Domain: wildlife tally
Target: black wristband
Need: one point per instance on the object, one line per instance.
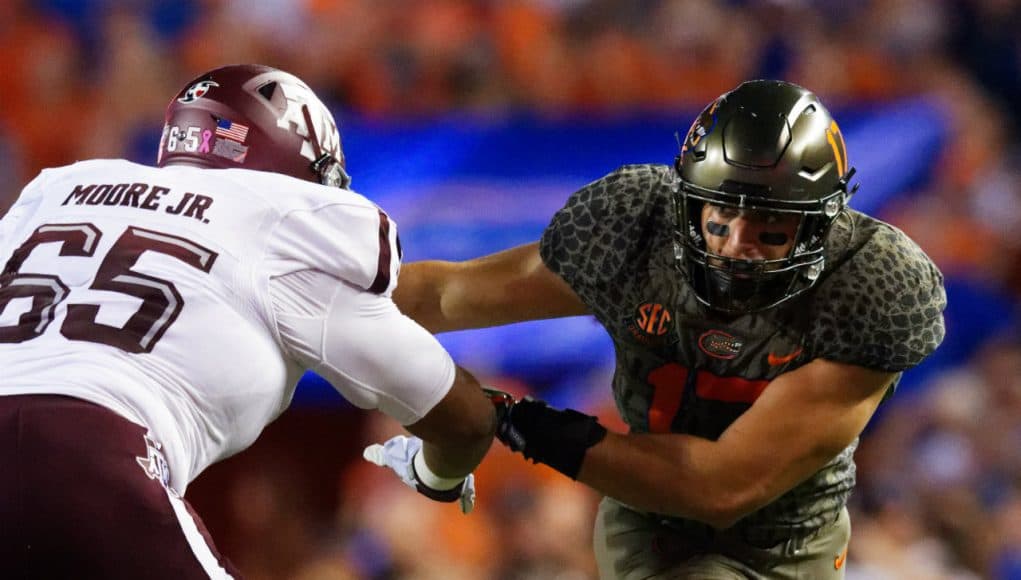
(558, 438)
(445, 495)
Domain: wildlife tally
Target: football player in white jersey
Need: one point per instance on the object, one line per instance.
(153, 320)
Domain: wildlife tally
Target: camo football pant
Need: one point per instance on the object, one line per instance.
(630, 545)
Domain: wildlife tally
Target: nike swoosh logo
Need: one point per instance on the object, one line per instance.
(838, 562)
(776, 360)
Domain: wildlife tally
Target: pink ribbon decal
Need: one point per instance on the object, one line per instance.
(204, 147)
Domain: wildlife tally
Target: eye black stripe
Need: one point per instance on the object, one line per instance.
(721, 230)
(773, 238)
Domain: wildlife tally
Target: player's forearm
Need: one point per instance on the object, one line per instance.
(419, 293)
(444, 296)
(456, 461)
(676, 475)
(458, 431)
(503, 288)
(673, 474)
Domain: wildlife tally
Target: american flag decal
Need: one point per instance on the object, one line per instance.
(235, 131)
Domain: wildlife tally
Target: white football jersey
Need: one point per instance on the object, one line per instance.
(191, 300)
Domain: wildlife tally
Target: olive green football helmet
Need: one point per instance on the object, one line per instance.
(765, 146)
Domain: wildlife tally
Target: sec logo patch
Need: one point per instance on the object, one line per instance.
(651, 323)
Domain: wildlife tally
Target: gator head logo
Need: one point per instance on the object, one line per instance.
(197, 91)
(651, 324)
(719, 344)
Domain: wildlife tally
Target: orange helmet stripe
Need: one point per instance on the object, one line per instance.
(839, 150)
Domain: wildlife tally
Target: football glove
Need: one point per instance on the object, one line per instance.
(555, 437)
(399, 455)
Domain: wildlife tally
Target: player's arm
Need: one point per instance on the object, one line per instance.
(800, 422)
(509, 286)
(380, 359)
(457, 432)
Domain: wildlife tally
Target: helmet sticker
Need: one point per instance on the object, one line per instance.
(230, 149)
(197, 91)
(703, 125)
(235, 131)
(189, 139)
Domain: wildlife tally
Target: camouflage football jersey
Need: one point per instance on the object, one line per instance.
(878, 304)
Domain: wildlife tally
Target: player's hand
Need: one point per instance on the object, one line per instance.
(399, 455)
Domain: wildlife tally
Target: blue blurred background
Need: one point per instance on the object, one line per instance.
(471, 122)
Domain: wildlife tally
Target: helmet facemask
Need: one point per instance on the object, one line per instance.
(739, 285)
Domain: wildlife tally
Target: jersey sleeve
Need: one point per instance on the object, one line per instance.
(882, 308)
(355, 242)
(600, 234)
(30, 197)
(374, 355)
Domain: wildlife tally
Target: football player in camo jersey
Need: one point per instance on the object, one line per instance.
(758, 323)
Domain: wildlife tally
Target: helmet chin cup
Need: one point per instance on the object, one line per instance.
(331, 172)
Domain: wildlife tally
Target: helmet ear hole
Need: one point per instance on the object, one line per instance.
(268, 89)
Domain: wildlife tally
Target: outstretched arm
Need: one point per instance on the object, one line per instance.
(458, 431)
(509, 286)
(800, 422)
(378, 358)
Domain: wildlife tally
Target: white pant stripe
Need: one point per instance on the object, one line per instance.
(198, 544)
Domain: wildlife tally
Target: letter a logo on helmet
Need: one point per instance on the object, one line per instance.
(197, 91)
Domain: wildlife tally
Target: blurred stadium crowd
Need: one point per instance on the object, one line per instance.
(939, 493)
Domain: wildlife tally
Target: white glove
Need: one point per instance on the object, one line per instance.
(399, 454)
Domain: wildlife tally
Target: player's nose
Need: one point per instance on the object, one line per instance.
(743, 241)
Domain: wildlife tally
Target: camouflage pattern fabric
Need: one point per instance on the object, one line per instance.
(682, 369)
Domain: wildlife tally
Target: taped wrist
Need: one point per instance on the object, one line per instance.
(433, 486)
(558, 438)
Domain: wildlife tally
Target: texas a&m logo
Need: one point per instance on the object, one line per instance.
(305, 111)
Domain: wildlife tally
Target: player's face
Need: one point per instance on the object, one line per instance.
(748, 234)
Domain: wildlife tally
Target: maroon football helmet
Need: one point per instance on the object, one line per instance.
(254, 117)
